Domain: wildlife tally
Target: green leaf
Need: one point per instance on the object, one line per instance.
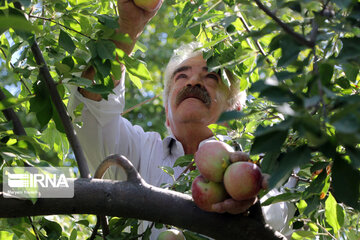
(17, 23)
(230, 115)
(66, 42)
(99, 89)
(346, 183)
(270, 139)
(326, 72)
(300, 235)
(102, 67)
(12, 102)
(284, 197)
(53, 229)
(73, 234)
(184, 161)
(354, 154)
(105, 49)
(334, 213)
(92, 47)
(290, 50)
(277, 94)
(317, 185)
(134, 66)
(351, 71)
(79, 81)
(349, 124)
(293, 158)
(108, 21)
(135, 80)
(41, 103)
(116, 70)
(168, 170)
(350, 50)
(342, 3)
(312, 204)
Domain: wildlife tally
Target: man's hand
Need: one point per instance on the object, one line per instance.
(233, 206)
(132, 21)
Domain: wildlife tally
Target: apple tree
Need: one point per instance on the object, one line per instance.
(298, 61)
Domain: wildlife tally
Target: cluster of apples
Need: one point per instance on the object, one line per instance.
(219, 177)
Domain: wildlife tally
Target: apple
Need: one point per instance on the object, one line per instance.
(171, 234)
(148, 5)
(242, 180)
(205, 193)
(212, 158)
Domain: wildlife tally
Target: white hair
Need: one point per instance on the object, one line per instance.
(235, 98)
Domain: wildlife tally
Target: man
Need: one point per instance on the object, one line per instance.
(193, 99)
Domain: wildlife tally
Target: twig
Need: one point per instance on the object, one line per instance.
(59, 105)
(138, 105)
(301, 39)
(33, 227)
(68, 28)
(95, 229)
(242, 19)
(325, 230)
(298, 178)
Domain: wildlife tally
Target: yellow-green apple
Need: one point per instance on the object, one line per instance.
(242, 180)
(205, 193)
(212, 158)
(148, 5)
(171, 234)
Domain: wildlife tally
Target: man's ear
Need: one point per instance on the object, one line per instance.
(166, 115)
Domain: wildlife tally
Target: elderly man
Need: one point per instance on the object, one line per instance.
(193, 99)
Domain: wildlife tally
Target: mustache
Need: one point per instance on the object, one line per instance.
(198, 92)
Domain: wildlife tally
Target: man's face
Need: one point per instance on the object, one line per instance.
(196, 95)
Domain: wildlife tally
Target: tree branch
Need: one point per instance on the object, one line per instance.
(68, 28)
(10, 115)
(301, 39)
(135, 198)
(141, 201)
(59, 105)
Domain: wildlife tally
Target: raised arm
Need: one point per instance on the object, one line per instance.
(132, 21)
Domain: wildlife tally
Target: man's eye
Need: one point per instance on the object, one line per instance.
(182, 75)
(213, 76)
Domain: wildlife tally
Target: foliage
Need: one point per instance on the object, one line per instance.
(297, 60)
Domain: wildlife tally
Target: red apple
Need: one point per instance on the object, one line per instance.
(205, 193)
(212, 158)
(171, 234)
(148, 5)
(242, 180)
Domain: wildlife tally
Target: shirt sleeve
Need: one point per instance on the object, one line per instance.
(103, 131)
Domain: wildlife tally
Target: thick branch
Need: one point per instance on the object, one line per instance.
(301, 39)
(141, 201)
(59, 105)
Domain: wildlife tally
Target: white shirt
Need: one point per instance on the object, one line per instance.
(105, 132)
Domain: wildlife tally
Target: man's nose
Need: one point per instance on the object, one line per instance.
(195, 80)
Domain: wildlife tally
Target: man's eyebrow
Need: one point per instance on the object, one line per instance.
(180, 69)
(184, 68)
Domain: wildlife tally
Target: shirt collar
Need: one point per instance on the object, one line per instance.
(171, 146)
